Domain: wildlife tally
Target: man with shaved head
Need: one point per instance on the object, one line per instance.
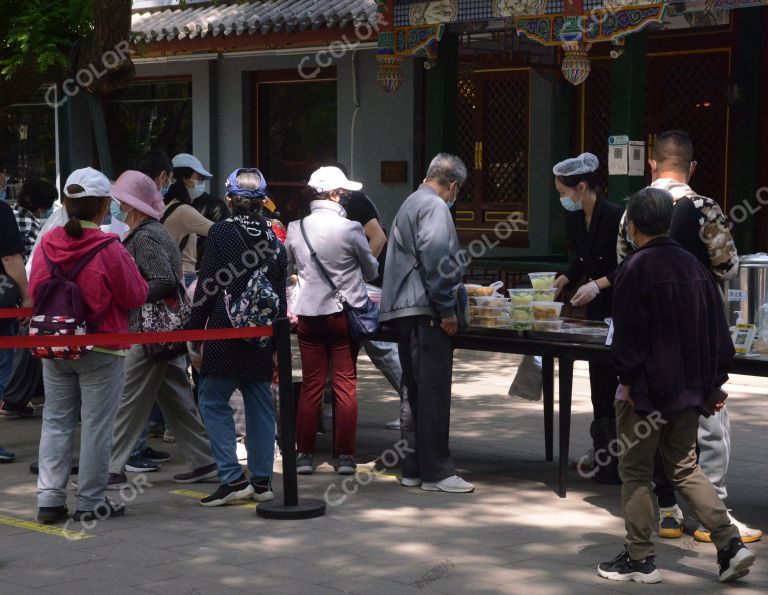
(699, 226)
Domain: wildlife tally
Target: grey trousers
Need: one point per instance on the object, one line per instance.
(675, 440)
(386, 358)
(426, 355)
(168, 384)
(715, 449)
(90, 386)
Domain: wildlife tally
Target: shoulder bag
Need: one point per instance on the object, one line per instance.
(363, 321)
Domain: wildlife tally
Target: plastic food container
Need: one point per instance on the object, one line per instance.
(544, 295)
(521, 313)
(522, 297)
(481, 290)
(490, 322)
(522, 325)
(489, 302)
(489, 312)
(551, 326)
(542, 280)
(547, 310)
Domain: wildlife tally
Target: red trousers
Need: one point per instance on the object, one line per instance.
(323, 339)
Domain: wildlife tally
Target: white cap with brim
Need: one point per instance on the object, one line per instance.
(192, 162)
(92, 181)
(326, 179)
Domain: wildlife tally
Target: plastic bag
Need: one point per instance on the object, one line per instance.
(529, 381)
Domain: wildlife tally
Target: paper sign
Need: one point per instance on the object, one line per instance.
(743, 336)
(636, 158)
(736, 295)
(609, 339)
(618, 153)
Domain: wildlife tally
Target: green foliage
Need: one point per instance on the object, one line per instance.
(41, 31)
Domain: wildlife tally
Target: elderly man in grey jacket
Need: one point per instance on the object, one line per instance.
(419, 300)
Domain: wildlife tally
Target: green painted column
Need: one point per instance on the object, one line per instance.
(743, 205)
(628, 108)
(441, 99)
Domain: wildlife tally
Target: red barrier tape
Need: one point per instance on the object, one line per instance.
(98, 340)
(15, 312)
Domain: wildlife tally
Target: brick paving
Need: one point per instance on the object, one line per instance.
(513, 535)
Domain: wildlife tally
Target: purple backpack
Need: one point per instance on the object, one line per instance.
(59, 308)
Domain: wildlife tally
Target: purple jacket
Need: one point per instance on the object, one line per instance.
(671, 339)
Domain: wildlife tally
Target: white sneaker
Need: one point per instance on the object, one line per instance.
(393, 425)
(242, 451)
(453, 484)
(169, 437)
(410, 482)
(747, 534)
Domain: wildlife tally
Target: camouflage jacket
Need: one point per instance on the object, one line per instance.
(714, 231)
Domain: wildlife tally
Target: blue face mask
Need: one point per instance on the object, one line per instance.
(570, 205)
(196, 191)
(3, 194)
(117, 212)
(164, 190)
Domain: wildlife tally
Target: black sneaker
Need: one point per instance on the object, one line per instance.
(226, 492)
(734, 561)
(155, 456)
(262, 489)
(106, 510)
(623, 568)
(48, 515)
(140, 465)
(12, 410)
(204, 473)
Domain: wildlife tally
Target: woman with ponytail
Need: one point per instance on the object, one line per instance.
(89, 387)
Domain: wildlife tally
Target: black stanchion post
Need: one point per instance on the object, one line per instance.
(291, 508)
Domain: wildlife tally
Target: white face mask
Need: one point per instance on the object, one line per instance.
(197, 190)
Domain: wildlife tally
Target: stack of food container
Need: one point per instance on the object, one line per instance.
(487, 307)
(534, 308)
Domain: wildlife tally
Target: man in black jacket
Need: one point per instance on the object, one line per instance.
(672, 352)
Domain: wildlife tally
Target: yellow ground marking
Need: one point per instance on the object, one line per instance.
(47, 529)
(250, 504)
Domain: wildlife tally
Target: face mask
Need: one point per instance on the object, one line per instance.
(570, 205)
(631, 241)
(164, 190)
(47, 214)
(197, 190)
(344, 200)
(3, 194)
(452, 201)
(117, 212)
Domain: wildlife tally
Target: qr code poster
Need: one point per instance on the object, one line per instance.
(636, 158)
(618, 155)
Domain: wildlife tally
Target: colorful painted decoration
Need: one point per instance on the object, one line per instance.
(576, 65)
(389, 77)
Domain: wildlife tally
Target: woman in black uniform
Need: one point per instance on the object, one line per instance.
(592, 225)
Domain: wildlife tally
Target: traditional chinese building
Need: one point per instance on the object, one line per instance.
(511, 86)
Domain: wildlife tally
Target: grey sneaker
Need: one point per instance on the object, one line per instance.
(304, 464)
(453, 484)
(410, 482)
(393, 425)
(347, 465)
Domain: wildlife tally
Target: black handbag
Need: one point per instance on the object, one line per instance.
(363, 320)
(9, 292)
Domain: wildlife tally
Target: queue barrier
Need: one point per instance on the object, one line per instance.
(291, 507)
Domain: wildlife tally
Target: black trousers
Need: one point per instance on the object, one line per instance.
(27, 378)
(426, 356)
(603, 384)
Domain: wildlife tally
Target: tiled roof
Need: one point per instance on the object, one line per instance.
(250, 18)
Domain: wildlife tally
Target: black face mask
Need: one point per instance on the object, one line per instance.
(344, 200)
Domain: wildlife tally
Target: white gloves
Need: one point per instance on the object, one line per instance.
(586, 294)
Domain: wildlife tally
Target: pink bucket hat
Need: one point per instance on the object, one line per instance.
(139, 191)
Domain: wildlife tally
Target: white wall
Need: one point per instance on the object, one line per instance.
(383, 131)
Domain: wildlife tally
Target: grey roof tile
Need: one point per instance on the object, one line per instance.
(250, 18)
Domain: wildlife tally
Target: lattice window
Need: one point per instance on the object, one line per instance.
(597, 115)
(505, 145)
(690, 94)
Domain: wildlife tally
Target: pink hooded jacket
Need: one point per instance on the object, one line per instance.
(111, 283)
